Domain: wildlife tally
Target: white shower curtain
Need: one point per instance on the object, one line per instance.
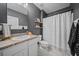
(69, 20)
(56, 30)
(63, 32)
(66, 21)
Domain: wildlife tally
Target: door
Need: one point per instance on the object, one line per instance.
(0, 53)
(23, 52)
(33, 49)
(16, 49)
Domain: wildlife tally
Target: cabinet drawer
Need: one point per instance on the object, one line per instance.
(23, 52)
(34, 40)
(33, 49)
(14, 49)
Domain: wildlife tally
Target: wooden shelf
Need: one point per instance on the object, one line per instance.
(38, 22)
(38, 27)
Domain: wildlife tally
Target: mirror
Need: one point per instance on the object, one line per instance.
(16, 16)
(13, 22)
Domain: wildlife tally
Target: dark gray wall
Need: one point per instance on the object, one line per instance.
(75, 7)
(33, 13)
(23, 20)
(44, 14)
(3, 13)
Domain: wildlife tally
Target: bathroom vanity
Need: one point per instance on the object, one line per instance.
(24, 45)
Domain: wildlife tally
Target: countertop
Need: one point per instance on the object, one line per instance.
(16, 40)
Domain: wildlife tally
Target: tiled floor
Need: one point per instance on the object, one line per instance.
(51, 52)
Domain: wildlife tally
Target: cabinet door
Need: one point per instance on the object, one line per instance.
(33, 49)
(0, 53)
(19, 53)
(10, 51)
(23, 52)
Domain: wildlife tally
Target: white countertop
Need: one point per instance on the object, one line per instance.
(16, 40)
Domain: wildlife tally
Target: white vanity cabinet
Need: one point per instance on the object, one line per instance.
(33, 47)
(23, 52)
(33, 50)
(15, 49)
(0, 53)
(26, 48)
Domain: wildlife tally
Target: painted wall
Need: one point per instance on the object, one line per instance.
(3, 13)
(33, 14)
(23, 20)
(75, 7)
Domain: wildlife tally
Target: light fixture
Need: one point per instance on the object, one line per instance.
(23, 4)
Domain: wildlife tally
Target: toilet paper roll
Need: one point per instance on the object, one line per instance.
(43, 44)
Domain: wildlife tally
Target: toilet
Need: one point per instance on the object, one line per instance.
(43, 47)
(46, 49)
(43, 44)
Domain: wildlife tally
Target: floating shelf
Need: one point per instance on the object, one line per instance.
(38, 27)
(38, 24)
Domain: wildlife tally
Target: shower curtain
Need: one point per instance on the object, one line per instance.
(56, 30)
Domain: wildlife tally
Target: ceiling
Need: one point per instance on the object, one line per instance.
(51, 7)
(18, 7)
(47, 7)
